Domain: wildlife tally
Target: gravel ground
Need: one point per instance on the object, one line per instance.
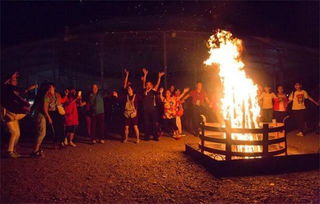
(148, 172)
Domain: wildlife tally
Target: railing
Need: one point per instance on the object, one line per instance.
(277, 136)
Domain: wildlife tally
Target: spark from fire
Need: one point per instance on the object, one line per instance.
(239, 103)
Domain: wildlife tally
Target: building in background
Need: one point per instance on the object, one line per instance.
(100, 51)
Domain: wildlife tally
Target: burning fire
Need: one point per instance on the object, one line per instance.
(239, 104)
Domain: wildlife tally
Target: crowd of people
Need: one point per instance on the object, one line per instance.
(150, 111)
(279, 105)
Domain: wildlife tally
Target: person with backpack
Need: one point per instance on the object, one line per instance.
(130, 111)
(297, 98)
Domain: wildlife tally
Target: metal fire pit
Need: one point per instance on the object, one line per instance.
(216, 151)
(217, 141)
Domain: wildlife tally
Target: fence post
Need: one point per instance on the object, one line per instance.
(265, 140)
(202, 124)
(228, 139)
(285, 124)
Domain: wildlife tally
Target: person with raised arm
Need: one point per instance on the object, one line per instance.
(297, 98)
(72, 117)
(126, 78)
(170, 105)
(150, 104)
(198, 99)
(13, 108)
(129, 101)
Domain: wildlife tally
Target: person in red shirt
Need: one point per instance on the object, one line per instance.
(280, 104)
(199, 99)
(71, 116)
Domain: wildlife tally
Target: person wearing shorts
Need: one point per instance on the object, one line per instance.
(130, 110)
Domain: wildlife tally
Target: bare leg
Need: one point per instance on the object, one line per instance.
(136, 130)
(14, 131)
(71, 136)
(179, 125)
(41, 131)
(126, 133)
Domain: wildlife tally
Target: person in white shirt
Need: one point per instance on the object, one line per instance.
(297, 98)
(266, 98)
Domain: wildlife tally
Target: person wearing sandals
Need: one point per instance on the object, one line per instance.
(43, 103)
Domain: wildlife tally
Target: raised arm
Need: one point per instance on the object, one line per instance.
(161, 94)
(81, 102)
(30, 88)
(64, 99)
(144, 77)
(160, 75)
(184, 93)
(125, 82)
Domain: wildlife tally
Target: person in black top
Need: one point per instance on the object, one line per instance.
(150, 104)
(13, 108)
(129, 102)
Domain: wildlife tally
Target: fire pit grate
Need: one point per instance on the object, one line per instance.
(216, 152)
(218, 142)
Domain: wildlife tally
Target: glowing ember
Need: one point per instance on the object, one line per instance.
(239, 103)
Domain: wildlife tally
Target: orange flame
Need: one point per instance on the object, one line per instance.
(239, 103)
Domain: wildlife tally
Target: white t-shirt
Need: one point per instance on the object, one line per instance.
(298, 98)
(267, 100)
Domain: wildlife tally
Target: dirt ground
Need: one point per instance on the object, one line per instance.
(149, 172)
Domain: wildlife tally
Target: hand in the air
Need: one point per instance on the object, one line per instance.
(161, 74)
(185, 90)
(145, 71)
(115, 94)
(66, 92)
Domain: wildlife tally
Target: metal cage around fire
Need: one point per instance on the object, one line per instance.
(220, 142)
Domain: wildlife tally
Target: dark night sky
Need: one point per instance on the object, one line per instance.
(290, 21)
